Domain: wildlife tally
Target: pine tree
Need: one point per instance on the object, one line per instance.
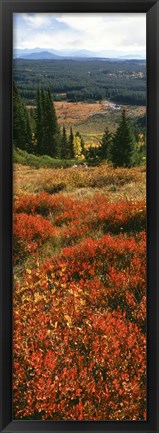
(47, 131)
(64, 144)
(51, 130)
(22, 134)
(70, 144)
(32, 116)
(92, 153)
(39, 124)
(104, 150)
(29, 144)
(123, 144)
(16, 116)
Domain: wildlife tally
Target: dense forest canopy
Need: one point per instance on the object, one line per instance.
(79, 80)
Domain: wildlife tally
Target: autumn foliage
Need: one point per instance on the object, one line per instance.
(79, 314)
(29, 233)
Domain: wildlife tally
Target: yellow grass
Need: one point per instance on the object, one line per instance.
(120, 183)
(72, 113)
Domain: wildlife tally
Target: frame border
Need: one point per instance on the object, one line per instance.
(151, 7)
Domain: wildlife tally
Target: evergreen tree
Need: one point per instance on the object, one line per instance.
(92, 154)
(70, 144)
(22, 134)
(29, 144)
(123, 144)
(83, 146)
(16, 116)
(51, 129)
(39, 124)
(64, 144)
(47, 131)
(32, 116)
(104, 150)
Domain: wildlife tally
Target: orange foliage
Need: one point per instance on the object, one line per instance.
(80, 317)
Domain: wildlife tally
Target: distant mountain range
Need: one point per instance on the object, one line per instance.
(41, 55)
(51, 54)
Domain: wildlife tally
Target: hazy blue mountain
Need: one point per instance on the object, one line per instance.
(84, 53)
(18, 52)
(50, 53)
(41, 55)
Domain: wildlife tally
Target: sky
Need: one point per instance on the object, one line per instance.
(124, 33)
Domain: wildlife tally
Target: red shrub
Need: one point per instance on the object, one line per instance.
(113, 217)
(72, 361)
(79, 319)
(29, 232)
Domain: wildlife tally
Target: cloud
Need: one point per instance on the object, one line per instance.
(36, 21)
(93, 31)
(42, 30)
(106, 31)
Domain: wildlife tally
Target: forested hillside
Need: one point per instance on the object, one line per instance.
(80, 80)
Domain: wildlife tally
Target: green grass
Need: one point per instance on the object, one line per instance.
(93, 127)
(25, 158)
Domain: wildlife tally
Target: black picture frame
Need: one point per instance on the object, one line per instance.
(151, 7)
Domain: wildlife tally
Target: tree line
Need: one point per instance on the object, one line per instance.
(38, 132)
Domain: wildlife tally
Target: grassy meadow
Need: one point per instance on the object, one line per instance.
(90, 118)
